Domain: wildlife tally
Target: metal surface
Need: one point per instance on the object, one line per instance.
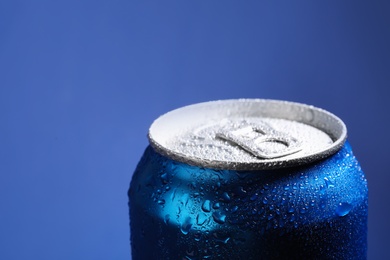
(247, 134)
(260, 139)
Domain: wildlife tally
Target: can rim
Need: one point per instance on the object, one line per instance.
(334, 127)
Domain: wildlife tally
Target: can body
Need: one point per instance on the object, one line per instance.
(312, 211)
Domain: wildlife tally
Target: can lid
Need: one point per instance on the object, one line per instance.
(247, 134)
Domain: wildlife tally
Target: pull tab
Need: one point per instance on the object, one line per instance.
(259, 139)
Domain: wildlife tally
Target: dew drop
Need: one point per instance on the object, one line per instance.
(166, 219)
(189, 255)
(164, 178)
(173, 195)
(206, 207)
(219, 217)
(343, 209)
(201, 218)
(222, 238)
(254, 197)
(234, 209)
(241, 192)
(186, 226)
(216, 205)
(197, 236)
(225, 197)
(322, 189)
(328, 183)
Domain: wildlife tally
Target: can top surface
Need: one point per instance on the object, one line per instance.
(247, 134)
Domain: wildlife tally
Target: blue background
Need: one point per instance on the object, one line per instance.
(81, 81)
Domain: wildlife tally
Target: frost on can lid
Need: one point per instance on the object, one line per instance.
(247, 134)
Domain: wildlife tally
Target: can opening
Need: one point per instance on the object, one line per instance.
(247, 134)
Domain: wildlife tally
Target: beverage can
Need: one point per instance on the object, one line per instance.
(248, 179)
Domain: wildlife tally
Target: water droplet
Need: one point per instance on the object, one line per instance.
(164, 178)
(240, 191)
(328, 183)
(186, 226)
(161, 201)
(216, 205)
(167, 218)
(291, 209)
(322, 189)
(265, 200)
(234, 209)
(173, 195)
(189, 255)
(343, 209)
(201, 218)
(206, 207)
(225, 197)
(254, 197)
(221, 238)
(197, 236)
(219, 217)
(185, 198)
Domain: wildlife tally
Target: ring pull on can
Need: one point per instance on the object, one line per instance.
(260, 139)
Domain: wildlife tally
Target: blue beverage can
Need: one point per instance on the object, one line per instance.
(248, 179)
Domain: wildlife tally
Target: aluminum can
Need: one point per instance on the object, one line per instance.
(248, 179)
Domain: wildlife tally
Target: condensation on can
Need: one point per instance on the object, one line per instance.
(267, 194)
